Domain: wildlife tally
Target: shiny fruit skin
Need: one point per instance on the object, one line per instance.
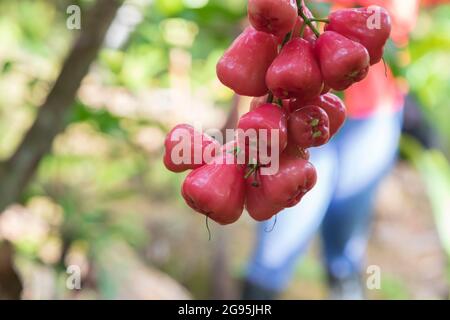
(257, 205)
(244, 65)
(295, 72)
(343, 62)
(197, 143)
(335, 109)
(217, 190)
(265, 117)
(293, 150)
(293, 180)
(354, 24)
(332, 105)
(309, 127)
(259, 101)
(277, 17)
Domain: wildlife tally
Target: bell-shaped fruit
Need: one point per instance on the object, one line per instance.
(257, 204)
(342, 61)
(217, 190)
(369, 26)
(186, 148)
(335, 109)
(260, 126)
(272, 16)
(294, 179)
(331, 104)
(309, 127)
(295, 72)
(244, 65)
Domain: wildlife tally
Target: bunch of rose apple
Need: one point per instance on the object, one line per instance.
(290, 68)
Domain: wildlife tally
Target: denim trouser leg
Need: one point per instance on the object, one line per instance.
(344, 233)
(277, 251)
(349, 170)
(367, 151)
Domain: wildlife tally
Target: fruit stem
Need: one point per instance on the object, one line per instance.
(280, 103)
(385, 68)
(324, 20)
(251, 171)
(302, 30)
(273, 226)
(236, 151)
(286, 39)
(207, 227)
(270, 97)
(306, 19)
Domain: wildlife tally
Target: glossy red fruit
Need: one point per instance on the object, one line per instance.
(343, 62)
(369, 26)
(335, 109)
(293, 150)
(186, 148)
(294, 179)
(244, 65)
(259, 101)
(272, 16)
(217, 190)
(267, 117)
(257, 204)
(295, 72)
(331, 104)
(309, 127)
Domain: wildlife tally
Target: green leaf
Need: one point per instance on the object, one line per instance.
(7, 67)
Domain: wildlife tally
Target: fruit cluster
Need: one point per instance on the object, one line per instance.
(290, 68)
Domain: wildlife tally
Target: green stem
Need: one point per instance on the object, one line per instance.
(324, 20)
(251, 171)
(302, 30)
(270, 97)
(280, 102)
(286, 39)
(306, 19)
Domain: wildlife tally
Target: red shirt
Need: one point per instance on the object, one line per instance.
(380, 91)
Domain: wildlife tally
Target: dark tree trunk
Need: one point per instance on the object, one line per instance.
(10, 284)
(16, 173)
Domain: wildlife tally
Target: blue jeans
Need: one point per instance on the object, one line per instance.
(350, 169)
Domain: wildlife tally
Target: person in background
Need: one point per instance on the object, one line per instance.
(350, 169)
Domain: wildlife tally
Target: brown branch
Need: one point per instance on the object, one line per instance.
(10, 282)
(16, 173)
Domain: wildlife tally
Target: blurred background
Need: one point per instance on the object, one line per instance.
(87, 186)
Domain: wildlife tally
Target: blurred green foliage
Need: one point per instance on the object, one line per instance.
(428, 74)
